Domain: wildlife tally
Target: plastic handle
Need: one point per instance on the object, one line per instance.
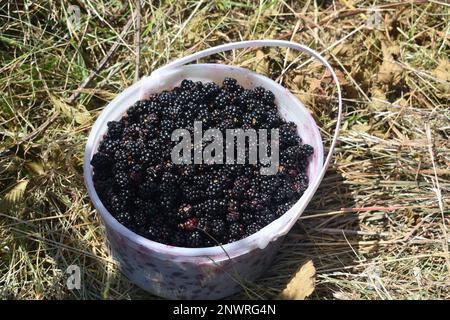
(273, 43)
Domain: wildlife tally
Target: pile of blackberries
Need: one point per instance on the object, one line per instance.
(196, 205)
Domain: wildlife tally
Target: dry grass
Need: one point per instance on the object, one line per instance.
(378, 228)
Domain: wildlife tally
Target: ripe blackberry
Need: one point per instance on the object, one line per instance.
(252, 228)
(306, 150)
(268, 97)
(102, 186)
(214, 189)
(218, 228)
(166, 98)
(185, 211)
(212, 206)
(192, 195)
(265, 217)
(122, 180)
(115, 129)
(211, 90)
(147, 189)
(109, 146)
(230, 84)
(247, 217)
(101, 160)
(272, 120)
(282, 209)
(135, 111)
(285, 193)
(194, 239)
(158, 233)
(288, 134)
(222, 100)
(240, 187)
(187, 84)
(236, 230)
(300, 183)
(125, 218)
(259, 92)
(117, 204)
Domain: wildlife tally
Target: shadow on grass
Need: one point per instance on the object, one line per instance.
(323, 234)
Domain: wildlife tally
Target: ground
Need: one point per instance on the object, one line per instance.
(377, 228)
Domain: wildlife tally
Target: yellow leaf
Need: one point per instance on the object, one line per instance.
(82, 116)
(16, 193)
(36, 167)
(302, 284)
(389, 72)
(361, 127)
(442, 73)
(65, 109)
(262, 67)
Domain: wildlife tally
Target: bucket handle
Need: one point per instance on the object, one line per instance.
(273, 43)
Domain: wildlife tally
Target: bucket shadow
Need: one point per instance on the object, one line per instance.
(324, 234)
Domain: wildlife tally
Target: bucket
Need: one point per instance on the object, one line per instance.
(213, 272)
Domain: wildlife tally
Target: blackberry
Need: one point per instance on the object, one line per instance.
(282, 209)
(124, 218)
(218, 228)
(247, 217)
(122, 180)
(268, 97)
(265, 217)
(194, 239)
(222, 100)
(178, 238)
(115, 129)
(147, 189)
(288, 134)
(109, 146)
(236, 230)
(192, 195)
(214, 189)
(135, 111)
(252, 228)
(166, 98)
(306, 150)
(159, 233)
(272, 120)
(259, 92)
(117, 204)
(230, 84)
(187, 84)
(284, 193)
(300, 183)
(101, 160)
(211, 90)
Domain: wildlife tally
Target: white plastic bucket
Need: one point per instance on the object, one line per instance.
(214, 272)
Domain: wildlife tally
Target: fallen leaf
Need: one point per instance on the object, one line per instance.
(16, 193)
(442, 73)
(302, 284)
(262, 66)
(36, 166)
(361, 127)
(389, 72)
(81, 115)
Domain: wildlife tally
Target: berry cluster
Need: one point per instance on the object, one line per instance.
(197, 205)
